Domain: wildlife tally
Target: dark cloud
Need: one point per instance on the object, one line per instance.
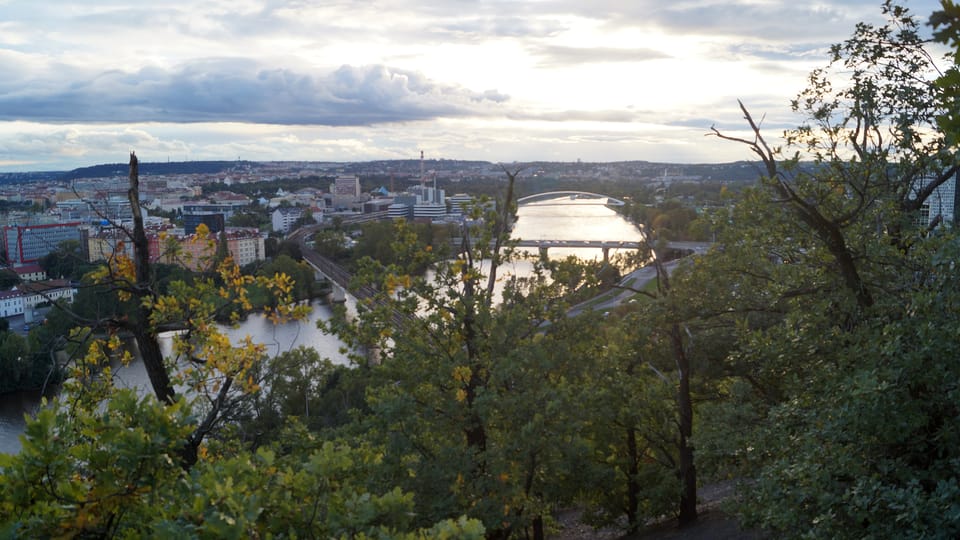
(555, 56)
(227, 90)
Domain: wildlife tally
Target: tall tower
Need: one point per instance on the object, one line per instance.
(423, 177)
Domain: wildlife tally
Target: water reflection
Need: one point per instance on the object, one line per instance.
(575, 219)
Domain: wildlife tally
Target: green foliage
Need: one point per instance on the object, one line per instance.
(66, 262)
(946, 23)
(299, 384)
(300, 272)
(332, 244)
(480, 413)
(112, 472)
(91, 472)
(873, 451)
(626, 418)
(8, 278)
(670, 220)
(841, 410)
(379, 239)
(15, 363)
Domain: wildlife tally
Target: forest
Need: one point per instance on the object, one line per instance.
(811, 356)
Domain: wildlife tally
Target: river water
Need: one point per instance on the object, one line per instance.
(558, 219)
(277, 339)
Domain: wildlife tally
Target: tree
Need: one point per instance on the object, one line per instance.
(331, 244)
(836, 288)
(109, 472)
(15, 362)
(204, 361)
(100, 461)
(885, 117)
(477, 400)
(67, 261)
(627, 418)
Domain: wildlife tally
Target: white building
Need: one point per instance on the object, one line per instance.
(458, 203)
(940, 204)
(30, 272)
(24, 299)
(40, 292)
(284, 217)
(11, 303)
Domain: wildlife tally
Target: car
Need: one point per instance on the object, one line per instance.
(26, 327)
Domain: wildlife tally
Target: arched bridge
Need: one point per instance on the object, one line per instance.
(565, 197)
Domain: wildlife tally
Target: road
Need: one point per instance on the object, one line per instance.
(624, 291)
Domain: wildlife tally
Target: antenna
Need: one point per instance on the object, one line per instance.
(423, 177)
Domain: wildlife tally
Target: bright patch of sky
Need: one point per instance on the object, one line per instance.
(498, 80)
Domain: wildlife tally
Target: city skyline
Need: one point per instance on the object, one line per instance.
(261, 80)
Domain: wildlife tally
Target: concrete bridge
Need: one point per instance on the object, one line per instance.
(606, 245)
(324, 268)
(339, 279)
(567, 197)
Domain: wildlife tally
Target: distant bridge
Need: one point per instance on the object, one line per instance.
(606, 245)
(564, 198)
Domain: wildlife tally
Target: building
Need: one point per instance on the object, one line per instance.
(25, 244)
(346, 186)
(39, 293)
(30, 272)
(422, 203)
(245, 246)
(115, 208)
(226, 207)
(458, 203)
(940, 205)
(24, 299)
(214, 222)
(107, 243)
(284, 217)
(402, 207)
(11, 303)
(198, 252)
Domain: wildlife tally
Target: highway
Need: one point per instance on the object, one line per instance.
(633, 281)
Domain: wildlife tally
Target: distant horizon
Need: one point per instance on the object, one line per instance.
(143, 162)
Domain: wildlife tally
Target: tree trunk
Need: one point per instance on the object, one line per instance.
(688, 472)
(538, 533)
(145, 336)
(633, 488)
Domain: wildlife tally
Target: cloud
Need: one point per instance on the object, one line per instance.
(776, 21)
(571, 115)
(236, 90)
(556, 56)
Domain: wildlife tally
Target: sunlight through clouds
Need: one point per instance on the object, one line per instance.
(522, 80)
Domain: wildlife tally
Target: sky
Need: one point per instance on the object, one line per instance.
(86, 82)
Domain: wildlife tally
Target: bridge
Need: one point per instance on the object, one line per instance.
(565, 197)
(606, 245)
(324, 268)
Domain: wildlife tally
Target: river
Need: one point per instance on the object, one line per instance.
(277, 338)
(574, 219)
